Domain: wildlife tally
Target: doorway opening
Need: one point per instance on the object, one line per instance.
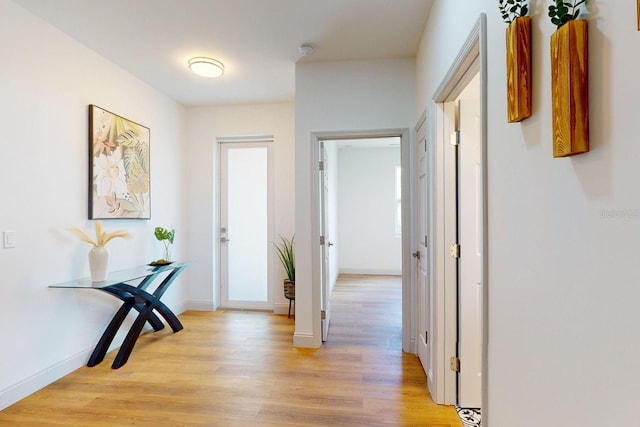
(361, 214)
(321, 285)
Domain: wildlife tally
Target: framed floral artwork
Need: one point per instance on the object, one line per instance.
(119, 161)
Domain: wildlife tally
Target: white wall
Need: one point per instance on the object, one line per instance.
(564, 234)
(339, 96)
(47, 81)
(204, 125)
(367, 211)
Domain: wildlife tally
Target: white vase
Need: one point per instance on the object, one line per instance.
(98, 263)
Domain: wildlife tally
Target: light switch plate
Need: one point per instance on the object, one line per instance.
(9, 239)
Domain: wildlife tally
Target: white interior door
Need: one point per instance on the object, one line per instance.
(423, 293)
(245, 225)
(325, 279)
(470, 223)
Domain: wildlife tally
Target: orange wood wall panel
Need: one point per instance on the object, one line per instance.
(570, 89)
(519, 69)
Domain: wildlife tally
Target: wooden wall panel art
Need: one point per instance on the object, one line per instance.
(519, 69)
(570, 89)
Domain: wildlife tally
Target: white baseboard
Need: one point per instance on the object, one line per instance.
(283, 308)
(35, 382)
(372, 271)
(304, 340)
(199, 306)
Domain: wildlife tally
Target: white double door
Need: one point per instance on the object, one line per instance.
(245, 246)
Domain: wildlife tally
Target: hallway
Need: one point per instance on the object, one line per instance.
(235, 368)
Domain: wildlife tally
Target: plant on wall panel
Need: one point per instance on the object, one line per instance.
(512, 9)
(562, 12)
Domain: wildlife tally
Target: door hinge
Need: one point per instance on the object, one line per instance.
(321, 240)
(454, 250)
(323, 315)
(454, 137)
(426, 241)
(454, 364)
(321, 165)
(426, 337)
(425, 145)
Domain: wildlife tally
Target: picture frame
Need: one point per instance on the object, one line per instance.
(119, 167)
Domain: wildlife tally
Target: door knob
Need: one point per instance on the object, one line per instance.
(330, 244)
(224, 240)
(416, 254)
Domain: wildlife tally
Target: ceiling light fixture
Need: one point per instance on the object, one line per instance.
(206, 67)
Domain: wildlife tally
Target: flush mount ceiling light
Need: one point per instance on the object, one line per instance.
(306, 50)
(206, 67)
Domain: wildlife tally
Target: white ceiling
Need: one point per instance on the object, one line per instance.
(257, 40)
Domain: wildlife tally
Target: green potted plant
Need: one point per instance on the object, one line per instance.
(512, 9)
(166, 237)
(562, 12)
(285, 251)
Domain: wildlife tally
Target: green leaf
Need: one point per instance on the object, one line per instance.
(143, 156)
(128, 139)
(128, 206)
(164, 234)
(286, 254)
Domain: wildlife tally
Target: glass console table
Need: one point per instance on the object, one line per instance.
(134, 297)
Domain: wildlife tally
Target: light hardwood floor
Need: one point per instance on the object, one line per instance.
(233, 368)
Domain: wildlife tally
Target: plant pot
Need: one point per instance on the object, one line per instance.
(98, 263)
(519, 69)
(289, 289)
(289, 292)
(570, 89)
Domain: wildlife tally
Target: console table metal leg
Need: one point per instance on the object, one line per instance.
(107, 336)
(130, 340)
(168, 315)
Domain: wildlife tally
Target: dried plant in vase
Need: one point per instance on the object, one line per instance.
(99, 255)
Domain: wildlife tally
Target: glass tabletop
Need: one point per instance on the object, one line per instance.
(120, 276)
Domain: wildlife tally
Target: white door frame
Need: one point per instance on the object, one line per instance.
(267, 140)
(471, 59)
(408, 321)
